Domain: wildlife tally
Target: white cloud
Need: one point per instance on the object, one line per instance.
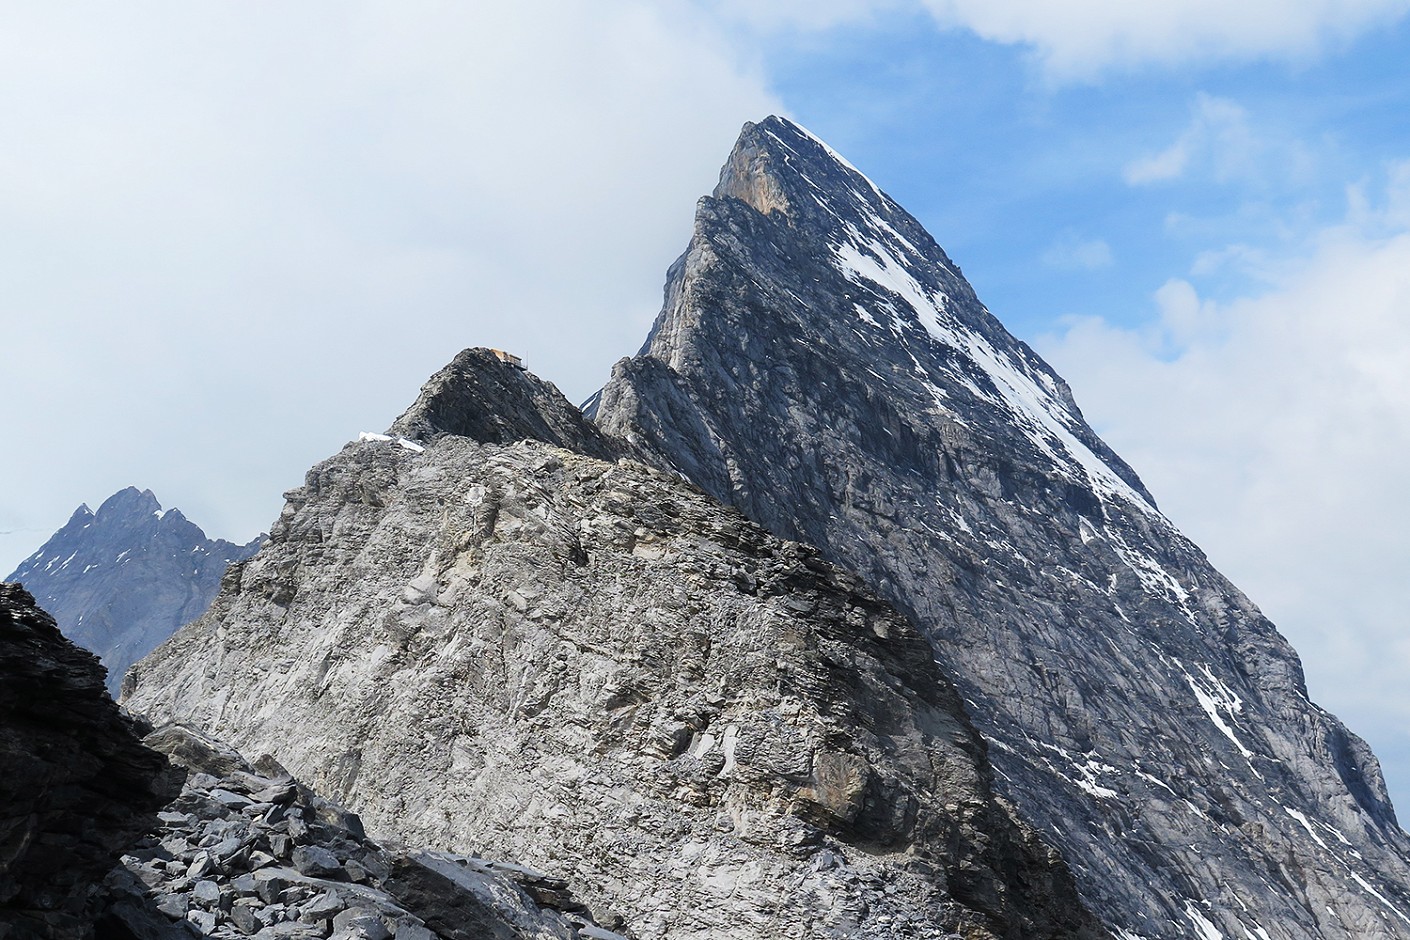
(1218, 134)
(1081, 39)
(1071, 252)
(234, 235)
(1274, 430)
(784, 15)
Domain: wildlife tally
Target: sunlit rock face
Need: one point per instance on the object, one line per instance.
(484, 637)
(821, 364)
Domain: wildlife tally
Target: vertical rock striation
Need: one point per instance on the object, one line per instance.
(823, 365)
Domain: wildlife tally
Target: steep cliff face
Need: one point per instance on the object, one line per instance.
(123, 579)
(822, 364)
(77, 786)
(509, 648)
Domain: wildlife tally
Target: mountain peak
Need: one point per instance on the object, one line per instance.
(487, 395)
(779, 166)
(818, 254)
(822, 365)
(130, 501)
(752, 172)
(123, 579)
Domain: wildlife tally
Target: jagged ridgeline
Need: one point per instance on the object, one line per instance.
(121, 580)
(494, 630)
(821, 364)
(483, 636)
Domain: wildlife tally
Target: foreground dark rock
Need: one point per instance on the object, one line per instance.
(123, 579)
(822, 364)
(525, 652)
(248, 851)
(76, 785)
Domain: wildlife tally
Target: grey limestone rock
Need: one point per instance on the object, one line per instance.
(821, 364)
(675, 724)
(406, 893)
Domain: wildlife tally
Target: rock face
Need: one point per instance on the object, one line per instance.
(123, 579)
(77, 786)
(249, 851)
(821, 364)
(521, 651)
(481, 396)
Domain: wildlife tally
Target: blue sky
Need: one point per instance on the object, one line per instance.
(1151, 228)
(235, 235)
(1034, 182)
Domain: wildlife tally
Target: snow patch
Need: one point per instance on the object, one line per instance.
(1155, 579)
(1030, 397)
(1155, 780)
(1204, 927)
(366, 437)
(1302, 819)
(1378, 896)
(1217, 696)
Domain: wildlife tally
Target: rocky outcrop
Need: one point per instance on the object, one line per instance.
(490, 399)
(823, 365)
(248, 851)
(123, 579)
(518, 651)
(77, 786)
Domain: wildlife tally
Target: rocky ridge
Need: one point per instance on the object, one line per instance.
(248, 851)
(78, 787)
(513, 649)
(121, 580)
(820, 363)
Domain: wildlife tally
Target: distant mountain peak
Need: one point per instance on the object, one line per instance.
(124, 578)
(130, 501)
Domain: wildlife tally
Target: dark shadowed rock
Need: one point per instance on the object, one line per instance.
(76, 785)
(488, 399)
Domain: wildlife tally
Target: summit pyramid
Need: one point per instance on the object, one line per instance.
(822, 364)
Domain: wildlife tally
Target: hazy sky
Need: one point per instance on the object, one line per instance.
(233, 235)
